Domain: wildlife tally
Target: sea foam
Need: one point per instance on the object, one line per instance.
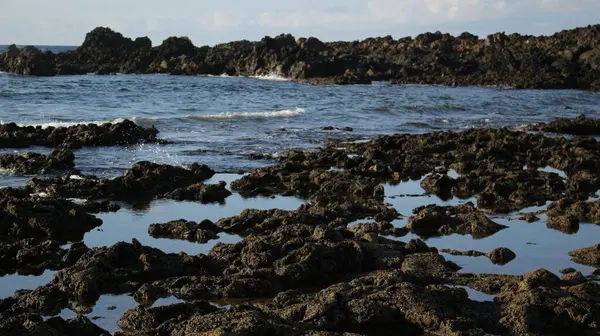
(249, 115)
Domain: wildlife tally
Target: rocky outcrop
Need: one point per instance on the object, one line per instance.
(498, 256)
(58, 160)
(185, 230)
(144, 181)
(464, 219)
(568, 59)
(587, 256)
(24, 216)
(83, 135)
(577, 126)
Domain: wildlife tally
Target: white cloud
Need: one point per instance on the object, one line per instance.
(67, 21)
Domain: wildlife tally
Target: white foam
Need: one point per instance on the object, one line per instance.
(79, 201)
(272, 76)
(249, 115)
(70, 123)
(76, 177)
(41, 194)
(445, 121)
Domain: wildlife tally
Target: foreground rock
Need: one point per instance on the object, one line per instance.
(589, 256)
(144, 181)
(125, 132)
(34, 256)
(58, 160)
(568, 59)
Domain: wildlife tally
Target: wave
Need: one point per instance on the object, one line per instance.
(249, 115)
(272, 76)
(150, 120)
(71, 123)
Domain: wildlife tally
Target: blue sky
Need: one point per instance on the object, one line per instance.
(65, 22)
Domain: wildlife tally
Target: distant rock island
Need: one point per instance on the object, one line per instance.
(566, 60)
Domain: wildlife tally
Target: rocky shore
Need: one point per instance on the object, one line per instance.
(330, 267)
(568, 59)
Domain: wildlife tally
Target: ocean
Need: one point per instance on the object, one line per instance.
(221, 121)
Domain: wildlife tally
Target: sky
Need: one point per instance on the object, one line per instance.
(65, 22)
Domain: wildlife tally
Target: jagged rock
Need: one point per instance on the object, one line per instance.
(58, 160)
(587, 256)
(108, 134)
(184, 230)
(501, 256)
(463, 219)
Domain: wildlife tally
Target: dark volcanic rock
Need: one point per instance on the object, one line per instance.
(463, 219)
(184, 230)
(144, 181)
(108, 134)
(123, 268)
(538, 305)
(577, 126)
(59, 160)
(501, 256)
(566, 214)
(33, 256)
(568, 59)
(587, 256)
(22, 216)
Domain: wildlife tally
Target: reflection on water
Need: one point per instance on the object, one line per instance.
(11, 283)
(128, 223)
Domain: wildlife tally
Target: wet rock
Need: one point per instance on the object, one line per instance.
(144, 181)
(33, 256)
(123, 268)
(566, 214)
(501, 256)
(148, 320)
(463, 219)
(529, 217)
(59, 160)
(576, 126)
(98, 207)
(147, 295)
(426, 267)
(204, 193)
(83, 135)
(32, 324)
(27, 217)
(470, 253)
(589, 256)
(185, 230)
(574, 278)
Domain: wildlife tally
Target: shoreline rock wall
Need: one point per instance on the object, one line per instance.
(568, 59)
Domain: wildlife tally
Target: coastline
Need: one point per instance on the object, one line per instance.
(566, 60)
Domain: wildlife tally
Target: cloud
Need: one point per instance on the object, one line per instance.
(67, 21)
